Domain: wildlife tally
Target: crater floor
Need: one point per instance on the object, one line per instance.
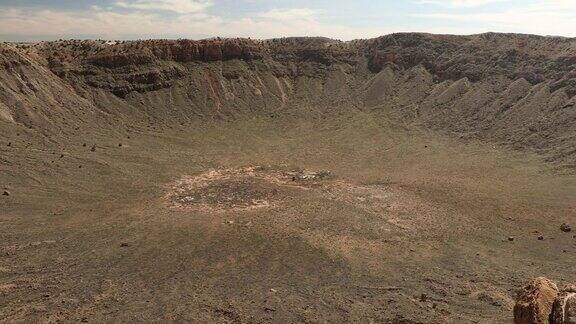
(347, 218)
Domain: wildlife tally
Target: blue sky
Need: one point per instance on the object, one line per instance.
(342, 19)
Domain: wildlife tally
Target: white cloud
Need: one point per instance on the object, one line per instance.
(291, 14)
(110, 24)
(148, 19)
(542, 17)
(459, 3)
(179, 6)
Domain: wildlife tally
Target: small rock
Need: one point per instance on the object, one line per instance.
(423, 297)
(511, 238)
(5, 193)
(124, 244)
(93, 148)
(61, 156)
(120, 145)
(84, 145)
(570, 288)
(9, 144)
(541, 238)
(566, 228)
(273, 290)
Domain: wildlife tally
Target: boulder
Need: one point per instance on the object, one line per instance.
(534, 303)
(564, 307)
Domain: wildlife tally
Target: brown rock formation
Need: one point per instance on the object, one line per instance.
(564, 308)
(534, 303)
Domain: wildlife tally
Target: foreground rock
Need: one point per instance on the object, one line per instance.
(535, 302)
(564, 308)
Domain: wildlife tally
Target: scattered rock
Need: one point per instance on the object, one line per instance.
(311, 176)
(566, 228)
(423, 297)
(564, 307)
(570, 288)
(534, 303)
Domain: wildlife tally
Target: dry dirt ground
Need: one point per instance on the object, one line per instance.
(345, 219)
